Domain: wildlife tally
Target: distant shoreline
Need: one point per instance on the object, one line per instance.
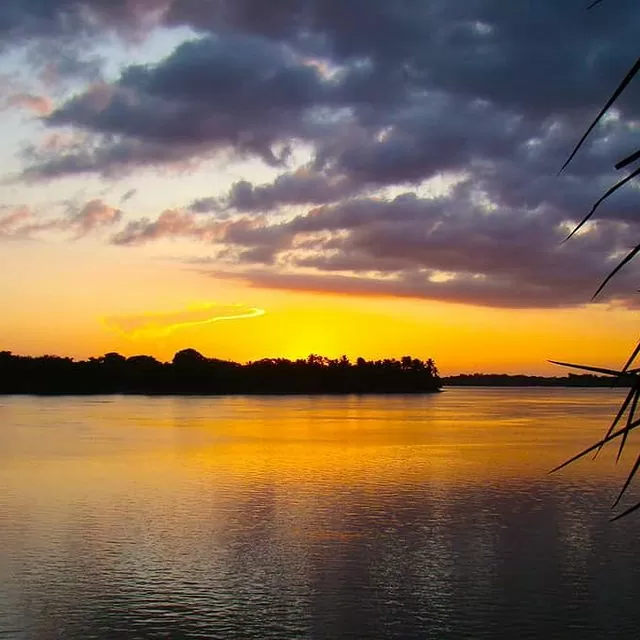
(192, 374)
(518, 380)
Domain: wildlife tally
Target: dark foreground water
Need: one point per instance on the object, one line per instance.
(298, 517)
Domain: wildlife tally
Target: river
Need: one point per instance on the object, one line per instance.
(314, 517)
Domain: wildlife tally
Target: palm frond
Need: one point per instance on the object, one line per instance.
(626, 513)
(632, 357)
(632, 410)
(608, 193)
(614, 96)
(628, 160)
(632, 399)
(630, 256)
(627, 482)
(616, 434)
(584, 367)
(619, 415)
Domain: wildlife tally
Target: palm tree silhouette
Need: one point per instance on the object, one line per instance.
(628, 411)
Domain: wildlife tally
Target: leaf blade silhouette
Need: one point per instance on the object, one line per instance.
(584, 367)
(619, 415)
(627, 482)
(630, 256)
(614, 96)
(609, 192)
(632, 410)
(628, 160)
(584, 452)
(626, 513)
(632, 357)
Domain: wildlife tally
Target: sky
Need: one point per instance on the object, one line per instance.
(273, 179)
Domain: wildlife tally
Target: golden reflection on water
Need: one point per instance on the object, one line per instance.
(459, 436)
(210, 453)
(268, 517)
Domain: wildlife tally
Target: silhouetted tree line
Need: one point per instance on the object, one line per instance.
(192, 373)
(506, 380)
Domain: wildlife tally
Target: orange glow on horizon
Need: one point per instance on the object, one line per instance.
(60, 311)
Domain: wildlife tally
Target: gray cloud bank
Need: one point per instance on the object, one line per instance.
(387, 95)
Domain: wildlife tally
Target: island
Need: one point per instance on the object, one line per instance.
(190, 372)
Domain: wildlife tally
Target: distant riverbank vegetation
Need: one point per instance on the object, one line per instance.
(192, 373)
(519, 380)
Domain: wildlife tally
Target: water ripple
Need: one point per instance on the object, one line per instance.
(402, 517)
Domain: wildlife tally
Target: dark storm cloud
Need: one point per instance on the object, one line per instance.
(113, 158)
(464, 289)
(404, 68)
(430, 136)
(475, 248)
(415, 89)
(527, 55)
(240, 240)
(523, 55)
(229, 92)
(23, 20)
(451, 248)
(430, 235)
(384, 94)
(302, 187)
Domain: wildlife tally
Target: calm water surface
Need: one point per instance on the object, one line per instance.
(321, 517)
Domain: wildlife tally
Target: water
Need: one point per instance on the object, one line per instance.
(325, 517)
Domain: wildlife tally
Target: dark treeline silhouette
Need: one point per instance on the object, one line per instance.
(192, 373)
(518, 380)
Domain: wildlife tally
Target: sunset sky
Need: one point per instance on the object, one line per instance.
(264, 178)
